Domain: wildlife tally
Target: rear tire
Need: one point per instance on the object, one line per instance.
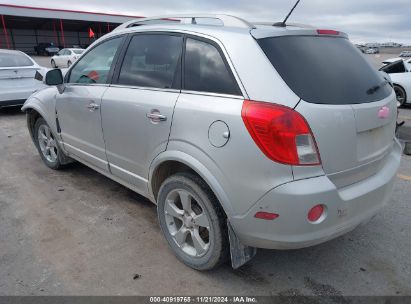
(47, 145)
(193, 222)
(53, 64)
(400, 94)
(69, 63)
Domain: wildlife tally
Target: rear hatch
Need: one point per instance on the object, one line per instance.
(16, 70)
(13, 77)
(350, 107)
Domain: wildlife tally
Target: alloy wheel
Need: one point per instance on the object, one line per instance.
(187, 222)
(47, 143)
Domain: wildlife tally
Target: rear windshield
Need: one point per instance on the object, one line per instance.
(14, 60)
(325, 70)
(78, 52)
(394, 67)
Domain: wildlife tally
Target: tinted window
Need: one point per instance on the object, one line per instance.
(326, 70)
(206, 71)
(95, 66)
(14, 60)
(395, 67)
(151, 61)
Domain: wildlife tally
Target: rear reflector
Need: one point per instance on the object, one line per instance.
(266, 216)
(315, 213)
(327, 32)
(281, 133)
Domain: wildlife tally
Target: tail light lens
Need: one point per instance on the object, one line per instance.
(266, 216)
(315, 213)
(281, 133)
(328, 32)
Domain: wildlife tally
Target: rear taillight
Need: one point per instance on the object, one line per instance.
(327, 32)
(281, 133)
(316, 213)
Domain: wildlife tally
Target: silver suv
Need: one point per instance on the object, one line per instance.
(245, 136)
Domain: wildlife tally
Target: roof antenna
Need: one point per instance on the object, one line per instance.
(282, 24)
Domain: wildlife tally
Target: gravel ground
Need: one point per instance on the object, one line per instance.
(75, 232)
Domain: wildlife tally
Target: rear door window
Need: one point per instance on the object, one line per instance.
(325, 70)
(205, 69)
(152, 60)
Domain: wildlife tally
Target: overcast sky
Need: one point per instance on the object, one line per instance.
(363, 20)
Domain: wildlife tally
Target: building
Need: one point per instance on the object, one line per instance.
(23, 27)
(383, 45)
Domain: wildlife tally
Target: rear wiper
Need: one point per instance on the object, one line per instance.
(374, 89)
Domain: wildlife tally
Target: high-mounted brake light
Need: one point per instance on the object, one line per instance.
(281, 133)
(327, 32)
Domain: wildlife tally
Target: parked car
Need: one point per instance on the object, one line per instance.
(400, 74)
(244, 135)
(405, 54)
(65, 57)
(17, 77)
(391, 60)
(46, 49)
(372, 51)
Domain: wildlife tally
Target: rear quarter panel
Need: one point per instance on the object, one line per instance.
(241, 170)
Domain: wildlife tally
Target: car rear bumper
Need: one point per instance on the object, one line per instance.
(8, 95)
(10, 103)
(346, 208)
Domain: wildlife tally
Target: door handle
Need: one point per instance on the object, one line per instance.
(155, 116)
(93, 106)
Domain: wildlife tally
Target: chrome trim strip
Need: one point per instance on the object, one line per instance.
(85, 153)
(143, 88)
(69, 84)
(129, 173)
(115, 178)
(212, 94)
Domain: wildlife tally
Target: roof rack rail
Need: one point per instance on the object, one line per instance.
(288, 24)
(227, 20)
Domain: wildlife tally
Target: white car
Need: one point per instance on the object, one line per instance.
(391, 60)
(400, 74)
(405, 54)
(17, 77)
(65, 57)
(372, 51)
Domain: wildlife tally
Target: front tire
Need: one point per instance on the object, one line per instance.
(400, 94)
(193, 222)
(69, 63)
(47, 145)
(53, 64)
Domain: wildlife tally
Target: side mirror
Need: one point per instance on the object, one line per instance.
(54, 77)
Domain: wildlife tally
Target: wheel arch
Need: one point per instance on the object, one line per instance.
(32, 115)
(172, 162)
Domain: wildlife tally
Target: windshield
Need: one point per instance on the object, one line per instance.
(325, 70)
(14, 60)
